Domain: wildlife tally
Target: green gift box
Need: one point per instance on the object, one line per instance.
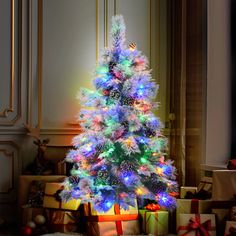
(154, 222)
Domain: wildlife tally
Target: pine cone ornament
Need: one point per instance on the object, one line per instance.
(125, 124)
(99, 148)
(111, 65)
(149, 133)
(115, 94)
(129, 101)
(73, 180)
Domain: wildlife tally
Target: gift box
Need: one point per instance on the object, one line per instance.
(222, 215)
(52, 198)
(185, 191)
(62, 221)
(197, 224)
(222, 210)
(29, 213)
(114, 222)
(224, 185)
(154, 222)
(192, 206)
(25, 183)
(230, 228)
(205, 184)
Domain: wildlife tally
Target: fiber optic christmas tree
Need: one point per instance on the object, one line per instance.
(120, 155)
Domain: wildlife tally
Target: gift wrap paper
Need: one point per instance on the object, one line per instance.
(224, 185)
(106, 223)
(230, 226)
(154, 223)
(192, 206)
(50, 201)
(184, 190)
(62, 221)
(184, 229)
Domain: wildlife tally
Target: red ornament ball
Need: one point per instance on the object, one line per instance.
(26, 231)
(106, 92)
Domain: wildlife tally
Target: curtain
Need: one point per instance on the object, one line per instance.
(188, 88)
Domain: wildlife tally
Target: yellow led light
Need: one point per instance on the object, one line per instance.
(139, 191)
(129, 142)
(159, 171)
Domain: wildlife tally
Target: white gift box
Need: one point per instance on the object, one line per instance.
(224, 185)
(189, 224)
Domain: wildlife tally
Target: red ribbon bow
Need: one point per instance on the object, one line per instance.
(152, 207)
(195, 224)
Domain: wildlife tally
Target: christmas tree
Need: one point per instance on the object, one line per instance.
(120, 155)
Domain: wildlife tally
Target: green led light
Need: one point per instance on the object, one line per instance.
(143, 160)
(126, 63)
(102, 70)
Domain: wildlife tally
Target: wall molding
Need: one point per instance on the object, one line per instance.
(13, 155)
(44, 130)
(11, 109)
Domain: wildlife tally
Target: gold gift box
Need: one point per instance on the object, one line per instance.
(50, 200)
(110, 223)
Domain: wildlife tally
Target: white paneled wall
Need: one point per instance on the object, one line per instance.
(48, 51)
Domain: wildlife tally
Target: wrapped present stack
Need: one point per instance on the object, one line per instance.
(41, 209)
(224, 198)
(44, 212)
(61, 216)
(211, 205)
(30, 200)
(194, 209)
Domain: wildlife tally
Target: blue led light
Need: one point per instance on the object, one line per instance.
(109, 204)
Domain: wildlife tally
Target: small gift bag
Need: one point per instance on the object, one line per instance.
(52, 198)
(197, 224)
